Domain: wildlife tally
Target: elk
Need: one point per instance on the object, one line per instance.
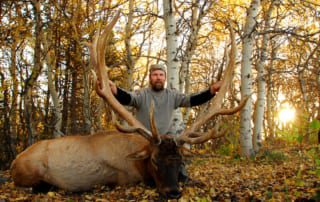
(116, 157)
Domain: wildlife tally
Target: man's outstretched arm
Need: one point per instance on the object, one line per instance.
(201, 98)
(206, 95)
(121, 95)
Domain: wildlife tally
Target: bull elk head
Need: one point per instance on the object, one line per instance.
(162, 146)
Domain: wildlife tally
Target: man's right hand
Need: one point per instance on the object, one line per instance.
(215, 87)
(113, 88)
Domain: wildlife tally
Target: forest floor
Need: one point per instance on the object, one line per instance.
(282, 174)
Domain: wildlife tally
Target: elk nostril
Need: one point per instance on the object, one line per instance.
(175, 194)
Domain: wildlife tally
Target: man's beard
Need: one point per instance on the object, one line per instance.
(157, 86)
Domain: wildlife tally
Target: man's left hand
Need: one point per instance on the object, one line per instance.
(214, 88)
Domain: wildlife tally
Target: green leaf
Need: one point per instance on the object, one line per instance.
(300, 183)
(315, 124)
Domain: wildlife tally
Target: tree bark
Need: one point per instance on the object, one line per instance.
(57, 121)
(246, 79)
(86, 102)
(66, 86)
(30, 82)
(198, 12)
(172, 60)
(14, 111)
(271, 130)
(261, 100)
(130, 63)
(74, 100)
(7, 152)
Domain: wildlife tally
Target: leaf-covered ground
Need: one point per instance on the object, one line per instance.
(274, 175)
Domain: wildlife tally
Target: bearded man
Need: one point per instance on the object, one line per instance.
(165, 101)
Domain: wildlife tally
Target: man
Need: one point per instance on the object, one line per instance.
(165, 102)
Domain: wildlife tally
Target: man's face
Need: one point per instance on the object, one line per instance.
(157, 80)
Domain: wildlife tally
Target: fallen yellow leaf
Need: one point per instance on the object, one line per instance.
(51, 194)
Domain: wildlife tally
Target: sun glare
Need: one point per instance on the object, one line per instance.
(287, 113)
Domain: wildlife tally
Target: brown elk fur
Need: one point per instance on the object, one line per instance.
(77, 163)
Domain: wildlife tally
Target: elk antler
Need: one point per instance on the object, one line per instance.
(193, 137)
(155, 138)
(154, 130)
(190, 135)
(97, 57)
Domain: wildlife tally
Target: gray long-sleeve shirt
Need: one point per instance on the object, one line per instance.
(165, 102)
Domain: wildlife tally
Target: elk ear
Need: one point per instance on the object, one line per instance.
(139, 155)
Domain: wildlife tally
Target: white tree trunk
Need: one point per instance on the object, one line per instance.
(270, 89)
(57, 108)
(198, 12)
(246, 80)
(130, 61)
(56, 105)
(172, 60)
(260, 104)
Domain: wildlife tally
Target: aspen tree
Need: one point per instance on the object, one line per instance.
(246, 79)
(172, 59)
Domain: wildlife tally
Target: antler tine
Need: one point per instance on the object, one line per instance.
(215, 108)
(154, 130)
(155, 138)
(99, 46)
(101, 43)
(97, 57)
(128, 129)
(192, 137)
(198, 138)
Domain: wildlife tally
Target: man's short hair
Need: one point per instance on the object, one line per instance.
(154, 67)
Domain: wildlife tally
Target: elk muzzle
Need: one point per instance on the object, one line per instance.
(170, 193)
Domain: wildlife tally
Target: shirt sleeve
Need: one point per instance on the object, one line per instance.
(137, 98)
(133, 99)
(123, 96)
(200, 98)
(180, 99)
